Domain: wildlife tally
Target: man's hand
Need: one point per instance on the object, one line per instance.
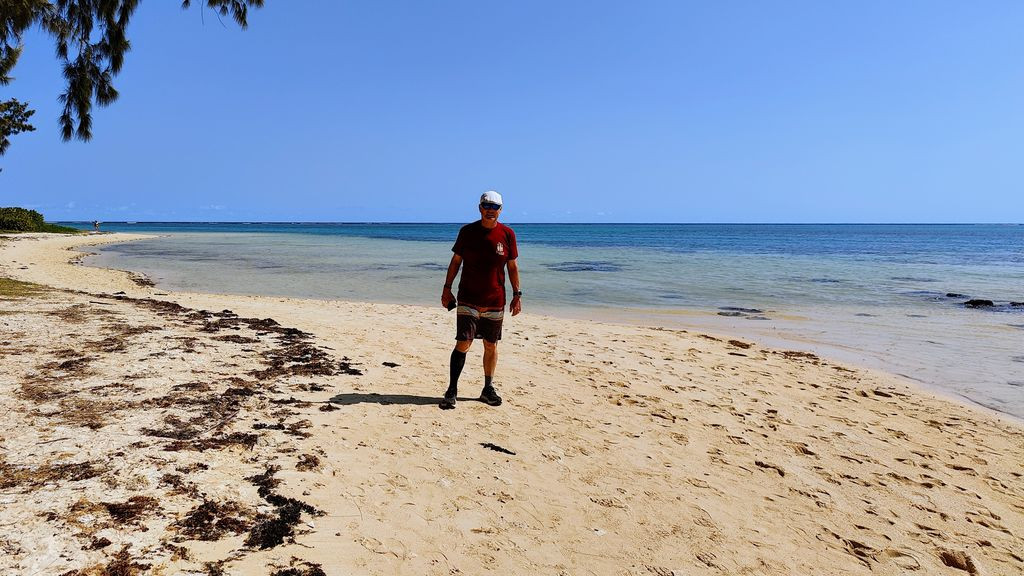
(516, 306)
(446, 297)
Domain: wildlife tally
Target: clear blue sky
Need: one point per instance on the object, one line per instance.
(582, 110)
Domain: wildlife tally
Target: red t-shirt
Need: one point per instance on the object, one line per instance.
(484, 256)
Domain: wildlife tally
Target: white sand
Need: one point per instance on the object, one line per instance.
(637, 450)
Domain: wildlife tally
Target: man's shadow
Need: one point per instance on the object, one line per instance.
(384, 399)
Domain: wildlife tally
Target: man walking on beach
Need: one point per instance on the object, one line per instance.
(483, 249)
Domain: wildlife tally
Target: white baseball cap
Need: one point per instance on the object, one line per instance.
(492, 197)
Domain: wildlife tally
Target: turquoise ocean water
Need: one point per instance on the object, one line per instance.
(884, 296)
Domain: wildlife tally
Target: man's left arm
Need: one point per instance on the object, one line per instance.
(513, 275)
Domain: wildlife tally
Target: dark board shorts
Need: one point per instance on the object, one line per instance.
(473, 323)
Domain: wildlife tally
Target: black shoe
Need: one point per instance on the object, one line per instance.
(448, 402)
(490, 396)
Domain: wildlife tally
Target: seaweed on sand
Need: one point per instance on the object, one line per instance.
(212, 521)
(215, 442)
(76, 314)
(236, 339)
(12, 476)
(178, 485)
(798, 355)
(122, 564)
(133, 509)
(272, 530)
(307, 462)
(298, 567)
(294, 355)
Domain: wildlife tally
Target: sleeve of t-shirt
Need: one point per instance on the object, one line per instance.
(459, 244)
(513, 250)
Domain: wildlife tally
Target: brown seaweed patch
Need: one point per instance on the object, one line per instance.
(236, 339)
(132, 509)
(215, 568)
(178, 485)
(74, 367)
(191, 387)
(176, 430)
(273, 530)
(91, 414)
(161, 307)
(211, 521)
(292, 401)
(108, 344)
(97, 544)
(122, 564)
(797, 355)
(118, 339)
(177, 552)
(141, 280)
(298, 567)
(76, 314)
(301, 359)
(40, 390)
(34, 477)
(307, 462)
(187, 344)
(214, 443)
(296, 428)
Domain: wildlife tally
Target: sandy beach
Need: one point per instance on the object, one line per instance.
(151, 432)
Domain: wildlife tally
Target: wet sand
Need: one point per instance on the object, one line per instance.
(162, 433)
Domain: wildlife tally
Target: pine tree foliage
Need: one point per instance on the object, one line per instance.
(91, 40)
(14, 117)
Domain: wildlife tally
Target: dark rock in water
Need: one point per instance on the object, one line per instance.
(1021, 326)
(955, 295)
(1017, 358)
(865, 314)
(584, 266)
(430, 266)
(913, 279)
(916, 316)
(745, 310)
(1016, 304)
(731, 314)
(826, 281)
(1017, 383)
(979, 303)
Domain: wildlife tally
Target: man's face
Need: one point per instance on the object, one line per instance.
(489, 212)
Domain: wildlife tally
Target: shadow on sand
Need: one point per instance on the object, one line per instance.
(372, 398)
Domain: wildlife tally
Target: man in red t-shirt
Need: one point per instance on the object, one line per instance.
(483, 249)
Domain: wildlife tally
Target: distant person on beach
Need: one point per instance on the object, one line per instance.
(483, 249)
(96, 225)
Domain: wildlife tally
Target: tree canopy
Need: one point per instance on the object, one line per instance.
(14, 117)
(91, 40)
(13, 219)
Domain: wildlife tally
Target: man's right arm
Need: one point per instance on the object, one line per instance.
(453, 269)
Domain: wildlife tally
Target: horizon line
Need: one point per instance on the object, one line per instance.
(383, 222)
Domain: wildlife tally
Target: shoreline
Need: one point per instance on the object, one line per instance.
(788, 329)
(627, 449)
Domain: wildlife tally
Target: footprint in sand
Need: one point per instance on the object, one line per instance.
(958, 560)
(902, 559)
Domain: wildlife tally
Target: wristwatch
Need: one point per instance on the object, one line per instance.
(517, 293)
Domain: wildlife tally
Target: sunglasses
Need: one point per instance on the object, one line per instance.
(490, 206)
